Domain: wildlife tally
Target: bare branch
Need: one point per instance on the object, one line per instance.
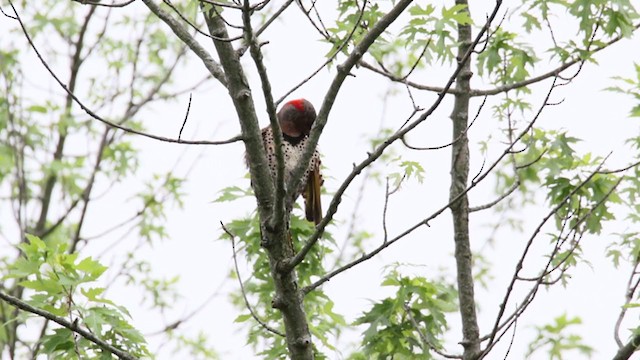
(491, 204)
(620, 169)
(438, 147)
(186, 117)
(533, 236)
(99, 118)
(184, 18)
(272, 18)
(229, 24)
(222, 4)
(73, 326)
(7, 15)
(243, 48)
(387, 194)
(99, 3)
(323, 32)
(87, 191)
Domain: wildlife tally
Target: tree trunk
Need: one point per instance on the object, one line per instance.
(460, 209)
(287, 298)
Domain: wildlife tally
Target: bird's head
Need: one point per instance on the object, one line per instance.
(296, 118)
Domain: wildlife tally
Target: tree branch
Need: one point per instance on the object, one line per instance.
(87, 191)
(280, 192)
(625, 352)
(241, 50)
(632, 286)
(240, 94)
(460, 159)
(497, 90)
(182, 33)
(73, 326)
(539, 280)
(99, 3)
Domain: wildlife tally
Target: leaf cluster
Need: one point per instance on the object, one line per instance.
(60, 283)
(409, 324)
(324, 322)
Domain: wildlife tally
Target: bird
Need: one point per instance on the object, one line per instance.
(296, 118)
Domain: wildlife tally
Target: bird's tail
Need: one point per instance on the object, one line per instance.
(312, 205)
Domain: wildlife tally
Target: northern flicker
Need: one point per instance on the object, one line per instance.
(296, 118)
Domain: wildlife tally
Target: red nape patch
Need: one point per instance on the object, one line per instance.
(298, 103)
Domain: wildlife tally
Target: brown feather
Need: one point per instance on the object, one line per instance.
(312, 204)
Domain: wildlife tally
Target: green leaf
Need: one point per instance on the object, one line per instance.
(37, 108)
(242, 318)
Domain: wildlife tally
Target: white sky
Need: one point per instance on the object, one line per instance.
(203, 263)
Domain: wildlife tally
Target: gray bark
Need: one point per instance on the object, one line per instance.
(460, 208)
(287, 298)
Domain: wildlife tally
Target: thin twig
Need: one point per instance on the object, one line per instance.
(214, 68)
(519, 265)
(186, 117)
(491, 204)
(243, 48)
(387, 194)
(7, 15)
(99, 3)
(328, 61)
(99, 118)
(323, 32)
(631, 290)
(620, 169)
(513, 337)
(228, 39)
(415, 64)
(425, 341)
(244, 293)
(222, 4)
(184, 18)
(404, 140)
